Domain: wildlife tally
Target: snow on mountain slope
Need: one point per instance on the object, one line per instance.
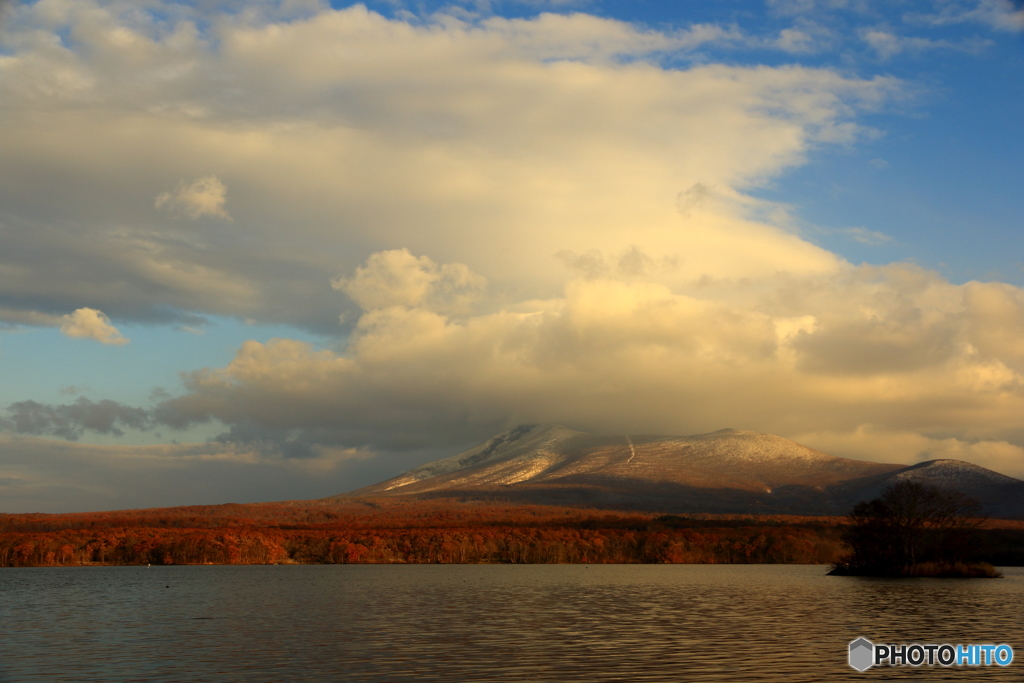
(729, 470)
(954, 474)
(552, 454)
(529, 445)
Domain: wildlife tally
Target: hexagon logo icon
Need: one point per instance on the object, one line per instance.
(862, 654)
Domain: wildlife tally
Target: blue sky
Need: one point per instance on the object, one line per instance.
(292, 250)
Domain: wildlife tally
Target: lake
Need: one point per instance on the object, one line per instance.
(455, 623)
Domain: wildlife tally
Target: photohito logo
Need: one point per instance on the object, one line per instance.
(864, 654)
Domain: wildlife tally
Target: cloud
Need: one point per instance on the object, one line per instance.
(887, 44)
(43, 475)
(797, 41)
(494, 143)
(1000, 15)
(89, 323)
(202, 197)
(629, 263)
(895, 347)
(893, 352)
(523, 220)
(70, 421)
(868, 443)
(805, 36)
(397, 278)
(869, 237)
(804, 7)
(14, 317)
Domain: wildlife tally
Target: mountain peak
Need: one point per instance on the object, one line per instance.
(956, 474)
(552, 454)
(729, 470)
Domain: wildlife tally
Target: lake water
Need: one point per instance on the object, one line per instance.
(455, 623)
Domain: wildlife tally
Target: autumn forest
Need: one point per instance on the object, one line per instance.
(440, 531)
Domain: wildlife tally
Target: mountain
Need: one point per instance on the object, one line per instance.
(1000, 495)
(728, 471)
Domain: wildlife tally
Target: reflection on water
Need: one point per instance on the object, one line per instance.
(486, 623)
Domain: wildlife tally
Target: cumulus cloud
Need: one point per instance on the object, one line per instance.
(89, 323)
(201, 197)
(397, 278)
(847, 361)
(494, 142)
(896, 348)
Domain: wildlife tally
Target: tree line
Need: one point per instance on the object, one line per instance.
(417, 534)
(450, 531)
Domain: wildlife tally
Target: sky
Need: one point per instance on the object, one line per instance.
(285, 249)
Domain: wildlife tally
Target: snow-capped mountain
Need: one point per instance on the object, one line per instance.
(725, 471)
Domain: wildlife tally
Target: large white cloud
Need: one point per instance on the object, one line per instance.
(497, 143)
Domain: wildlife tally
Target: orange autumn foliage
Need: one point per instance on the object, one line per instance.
(405, 531)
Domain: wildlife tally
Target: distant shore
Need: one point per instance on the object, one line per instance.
(389, 531)
(938, 570)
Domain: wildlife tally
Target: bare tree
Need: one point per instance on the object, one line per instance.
(910, 523)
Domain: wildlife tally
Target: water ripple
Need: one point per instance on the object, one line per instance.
(537, 623)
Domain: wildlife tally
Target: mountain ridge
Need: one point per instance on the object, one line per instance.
(728, 470)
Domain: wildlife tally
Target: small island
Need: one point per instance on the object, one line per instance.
(913, 530)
